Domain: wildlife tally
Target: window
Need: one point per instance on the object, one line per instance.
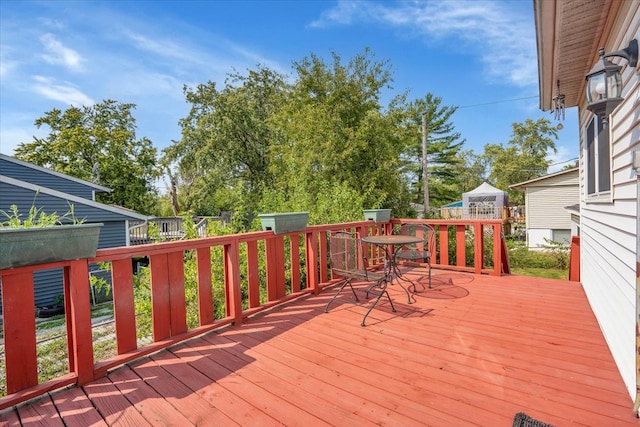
(598, 161)
(561, 236)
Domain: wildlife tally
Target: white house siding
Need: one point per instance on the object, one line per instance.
(608, 229)
(545, 202)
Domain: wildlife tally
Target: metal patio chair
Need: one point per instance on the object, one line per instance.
(418, 252)
(349, 263)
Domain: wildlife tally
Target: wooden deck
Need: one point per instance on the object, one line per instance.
(472, 353)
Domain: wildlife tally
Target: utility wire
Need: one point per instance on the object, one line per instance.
(498, 102)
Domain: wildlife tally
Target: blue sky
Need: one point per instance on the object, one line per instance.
(477, 55)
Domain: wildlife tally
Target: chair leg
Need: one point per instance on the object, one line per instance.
(383, 291)
(346, 282)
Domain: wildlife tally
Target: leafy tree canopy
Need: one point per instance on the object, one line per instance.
(523, 158)
(222, 161)
(98, 143)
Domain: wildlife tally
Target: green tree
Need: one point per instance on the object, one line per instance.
(336, 143)
(222, 161)
(524, 157)
(98, 143)
(471, 170)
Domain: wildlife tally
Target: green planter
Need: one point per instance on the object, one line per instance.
(288, 222)
(39, 245)
(377, 215)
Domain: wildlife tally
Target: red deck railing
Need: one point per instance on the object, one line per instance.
(296, 264)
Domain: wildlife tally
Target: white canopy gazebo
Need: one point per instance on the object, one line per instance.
(485, 202)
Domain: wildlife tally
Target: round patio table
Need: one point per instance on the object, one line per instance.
(389, 243)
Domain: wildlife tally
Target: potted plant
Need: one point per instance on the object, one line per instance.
(41, 238)
(377, 215)
(287, 222)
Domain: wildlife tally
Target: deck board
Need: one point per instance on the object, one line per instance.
(474, 353)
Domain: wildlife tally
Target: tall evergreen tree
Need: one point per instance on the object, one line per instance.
(443, 151)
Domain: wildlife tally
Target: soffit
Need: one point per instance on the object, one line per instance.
(568, 35)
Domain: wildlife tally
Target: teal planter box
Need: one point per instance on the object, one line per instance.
(20, 247)
(288, 222)
(377, 215)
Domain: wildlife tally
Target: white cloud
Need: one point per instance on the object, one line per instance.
(65, 93)
(501, 36)
(58, 54)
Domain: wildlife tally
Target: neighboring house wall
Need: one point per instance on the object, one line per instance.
(609, 220)
(545, 203)
(17, 169)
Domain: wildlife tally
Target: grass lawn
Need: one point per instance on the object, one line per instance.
(548, 273)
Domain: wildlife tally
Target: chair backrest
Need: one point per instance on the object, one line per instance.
(347, 257)
(425, 231)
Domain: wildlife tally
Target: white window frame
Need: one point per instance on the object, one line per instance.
(597, 169)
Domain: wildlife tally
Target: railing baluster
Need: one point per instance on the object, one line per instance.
(123, 305)
(281, 289)
(205, 294)
(272, 273)
(294, 246)
(232, 281)
(312, 262)
(461, 252)
(160, 303)
(324, 255)
(444, 244)
(177, 303)
(253, 274)
(478, 247)
(79, 315)
(497, 250)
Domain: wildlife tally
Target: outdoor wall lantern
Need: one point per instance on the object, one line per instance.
(604, 84)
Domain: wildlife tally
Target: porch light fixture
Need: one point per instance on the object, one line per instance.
(604, 84)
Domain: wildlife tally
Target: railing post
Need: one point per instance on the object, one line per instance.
(19, 331)
(574, 259)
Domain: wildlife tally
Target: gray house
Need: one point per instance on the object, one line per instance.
(25, 185)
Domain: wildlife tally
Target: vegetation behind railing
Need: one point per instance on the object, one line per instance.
(230, 285)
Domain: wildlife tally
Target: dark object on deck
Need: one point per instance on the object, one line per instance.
(523, 420)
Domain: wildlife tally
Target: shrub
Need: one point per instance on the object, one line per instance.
(552, 257)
